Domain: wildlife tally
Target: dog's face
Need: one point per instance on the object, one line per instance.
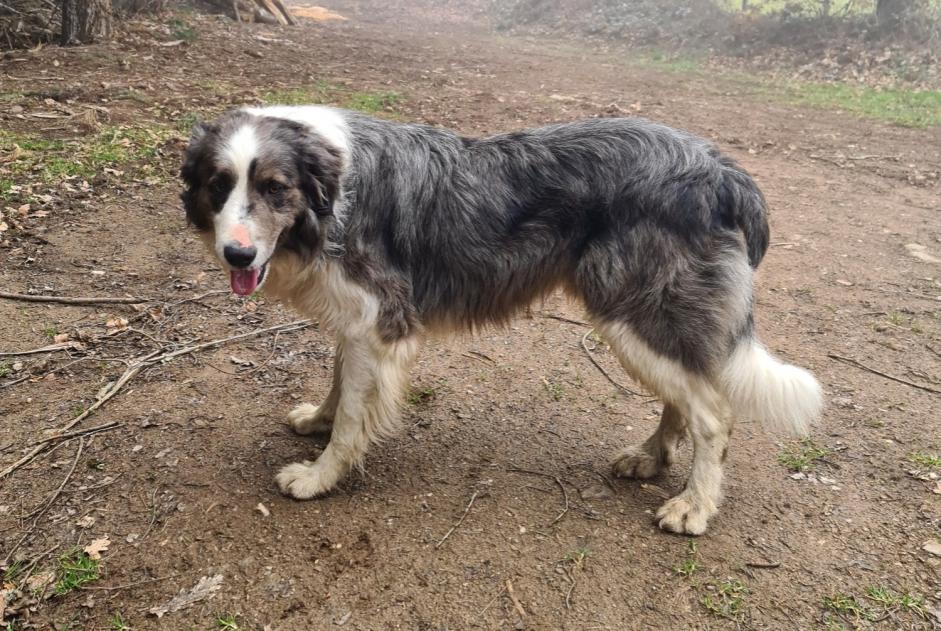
(257, 186)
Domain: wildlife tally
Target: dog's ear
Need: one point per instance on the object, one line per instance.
(195, 155)
(320, 165)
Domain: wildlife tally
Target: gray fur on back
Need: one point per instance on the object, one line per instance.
(646, 224)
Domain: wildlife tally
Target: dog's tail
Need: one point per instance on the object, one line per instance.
(742, 205)
(782, 397)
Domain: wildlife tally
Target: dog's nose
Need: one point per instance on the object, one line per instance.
(239, 255)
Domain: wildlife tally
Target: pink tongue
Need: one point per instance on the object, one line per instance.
(244, 281)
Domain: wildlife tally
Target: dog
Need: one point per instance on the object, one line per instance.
(387, 232)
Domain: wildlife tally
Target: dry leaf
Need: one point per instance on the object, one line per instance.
(86, 522)
(96, 547)
(119, 324)
(205, 588)
(937, 488)
(932, 546)
(61, 338)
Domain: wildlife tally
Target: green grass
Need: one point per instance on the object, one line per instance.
(909, 108)
(802, 458)
(54, 160)
(726, 599)
(227, 622)
(689, 565)
(6, 189)
(5, 369)
(13, 572)
(671, 63)
(555, 390)
(926, 460)
(117, 623)
(74, 569)
(578, 556)
(421, 396)
(878, 602)
(325, 93)
(181, 29)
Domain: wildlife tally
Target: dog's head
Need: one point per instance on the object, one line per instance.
(257, 186)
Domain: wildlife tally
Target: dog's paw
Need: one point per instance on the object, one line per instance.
(305, 480)
(684, 514)
(635, 462)
(308, 419)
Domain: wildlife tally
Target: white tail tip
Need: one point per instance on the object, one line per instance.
(782, 397)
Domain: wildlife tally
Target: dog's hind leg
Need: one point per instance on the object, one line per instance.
(313, 419)
(658, 451)
(373, 376)
(691, 401)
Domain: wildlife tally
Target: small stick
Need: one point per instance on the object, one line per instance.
(516, 601)
(568, 595)
(51, 348)
(66, 300)
(459, 521)
(770, 566)
(603, 371)
(479, 355)
(492, 600)
(39, 513)
(83, 432)
(145, 362)
(853, 362)
(563, 319)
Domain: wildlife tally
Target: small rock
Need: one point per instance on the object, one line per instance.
(261, 508)
(920, 252)
(595, 491)
(800, 475)
(342, 620)
(932, 546)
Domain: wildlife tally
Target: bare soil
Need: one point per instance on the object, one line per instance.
(510, 430)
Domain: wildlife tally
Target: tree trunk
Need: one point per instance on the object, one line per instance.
(890, 13)
(84, 21)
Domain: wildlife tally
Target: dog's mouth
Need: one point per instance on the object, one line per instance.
(245, 282)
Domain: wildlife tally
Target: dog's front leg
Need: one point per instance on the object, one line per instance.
(317, 419)
(374, 374)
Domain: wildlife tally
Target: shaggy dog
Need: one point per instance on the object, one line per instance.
(387, 232)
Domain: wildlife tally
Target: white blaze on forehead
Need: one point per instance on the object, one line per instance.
(328, 122)
(237, 155)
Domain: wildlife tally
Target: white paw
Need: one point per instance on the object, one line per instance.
(635, 462)
(308, 419)
(685, 514)
(304, 480)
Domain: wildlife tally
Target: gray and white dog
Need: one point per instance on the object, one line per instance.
(388, 232)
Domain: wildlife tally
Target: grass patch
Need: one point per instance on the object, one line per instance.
(802, 457)
(910, 108)
(74, 569)
(925, 460)
(181, 29)
(117, 623)
(726, 599)
(879, 602)
(323, 93)
(5, 369)
(690, 565)
(578, 556)
(671, 63)
(54, 160)
(373, 102)
(422, 396)
(227, 622)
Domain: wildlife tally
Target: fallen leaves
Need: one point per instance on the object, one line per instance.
(933, 546)
(96, 547)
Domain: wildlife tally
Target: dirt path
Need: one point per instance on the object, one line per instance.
(175, 487)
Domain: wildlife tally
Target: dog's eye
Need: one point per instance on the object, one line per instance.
(275, 188)
(219, 186)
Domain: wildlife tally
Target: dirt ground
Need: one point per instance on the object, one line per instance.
(506, 434)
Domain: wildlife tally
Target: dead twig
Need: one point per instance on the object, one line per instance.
(603, 371)
(769, 566)
(51, 348)
(516, 601)
(853, 362)
(480, 356)
(568, 594)
(67, 300)
(37, 514)
(492, 600)
(84, 432)
(459, 521)
(151, 359)
(563, 319)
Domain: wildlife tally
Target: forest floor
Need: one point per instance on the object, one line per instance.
(507, 434)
